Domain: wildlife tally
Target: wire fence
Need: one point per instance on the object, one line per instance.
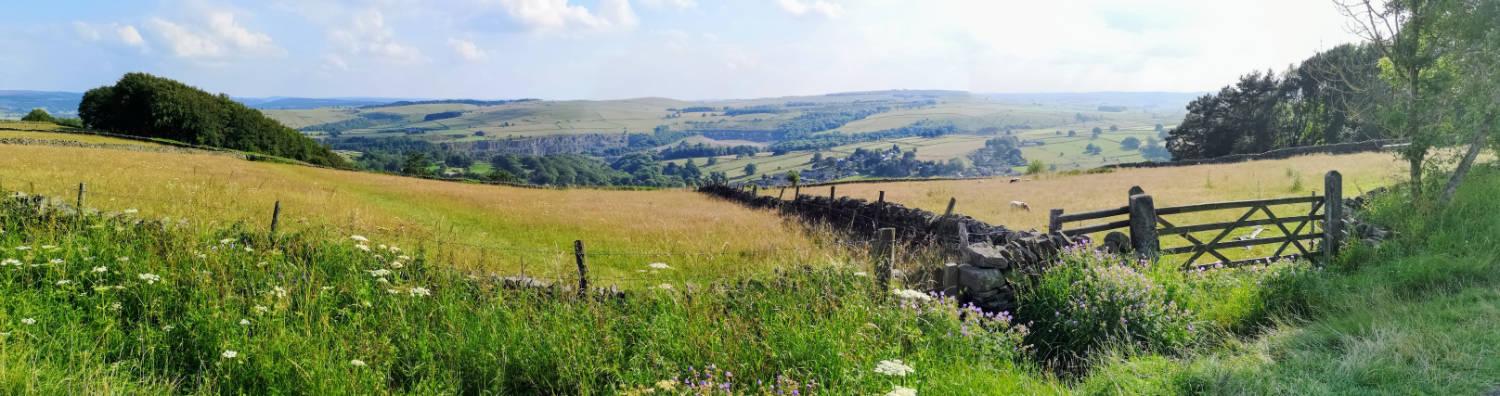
(556, 264)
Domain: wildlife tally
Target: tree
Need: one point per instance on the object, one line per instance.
(1094, 134)
(1035, 167)
(817, 157)
(1130, 143)
(1072, 133)
(750, 169)
(793, 177)
(1402, 31)
(38, 115)
(1471, 32)
(415, 164)
(1114, 128)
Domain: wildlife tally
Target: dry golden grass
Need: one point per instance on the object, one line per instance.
(487, 228)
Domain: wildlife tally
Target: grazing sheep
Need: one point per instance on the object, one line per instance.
(1020, 205)
(1015, 180)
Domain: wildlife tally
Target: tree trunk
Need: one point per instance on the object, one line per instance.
(1475, 146)
(1416, 177)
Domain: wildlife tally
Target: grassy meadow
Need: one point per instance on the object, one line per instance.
(486, 228)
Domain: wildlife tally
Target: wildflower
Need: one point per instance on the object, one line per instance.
(167, 328)
(659, 266)
(362, 247)
(861, 273)
(419, 292)
(23, 247)
(28, 321)
(397, 265)
(230, 354)
(912, 295)
(249, 250)
(901, 391)
(380, 273)
(278, 291)
(665, 286)
(122, 259)
(55, 261)
(894, 368)
(258, 309)
(359, 238)
(667, 385)
(49, 247)
(357, 363)
(131, 211)
(150, 278)
(11, 261)
(63, 282)
(244, 322)
(116, 306)
(101, 269)
(392, 291)
(403, 258)
(226, 241)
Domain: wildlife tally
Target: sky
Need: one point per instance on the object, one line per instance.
(686, 49)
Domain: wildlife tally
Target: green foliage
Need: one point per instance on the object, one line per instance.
(1089, 303)
(144, 105)
(38, 115)
(1130, 143)
(1035, 167)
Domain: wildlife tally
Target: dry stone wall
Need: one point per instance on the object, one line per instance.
(990, 257)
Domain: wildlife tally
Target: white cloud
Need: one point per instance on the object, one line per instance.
(671, 3)
(369, 35)
(467, 50)
(130, 36)
(817, 7)
(111, 33)
(223, 37)
(558, 16)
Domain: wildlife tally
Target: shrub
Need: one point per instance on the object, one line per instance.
(38, 115)
(1091, 302)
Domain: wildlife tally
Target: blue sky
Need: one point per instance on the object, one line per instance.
(690, 49)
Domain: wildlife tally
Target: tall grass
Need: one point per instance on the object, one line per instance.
(143, 307)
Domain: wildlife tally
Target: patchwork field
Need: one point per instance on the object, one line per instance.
(500, 230)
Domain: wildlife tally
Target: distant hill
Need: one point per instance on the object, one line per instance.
(1154, 101)
(13, 103)
(289, 103)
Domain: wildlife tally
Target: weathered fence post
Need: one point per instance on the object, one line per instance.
(583, 269)
(949, 212)
(1143, 226)
(885, 257)
(275, 218)
(832, 193)
(963, 235)
(755, 190)
(797, 193)
(781, 194)
(1054, 221)
(878, 204)
(1333, 215)
(79, 205)
(1135, 190)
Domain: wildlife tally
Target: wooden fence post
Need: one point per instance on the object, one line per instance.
(79, 205)
(1054, 221)
(878, 203)
(1143, 226)
(583, 269)
(1135, 190)
(832, 194)
(755, 190)
(951, 202)
(797, 193)
(781, 195)
(1333, 215)
(885, 258)
(882, 197)
(275, 218)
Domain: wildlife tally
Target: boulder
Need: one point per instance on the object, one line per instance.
(986, 255)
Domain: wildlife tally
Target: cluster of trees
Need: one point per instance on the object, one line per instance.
(924, 128)
(39, 115)
(1326, 99)
(471, 102)
(685, 150)
(145, 105)
(892, 162)
(817, 121)
(747, 110)
(999, 153)
(1428, 72)
(442, 115)
(638, 169)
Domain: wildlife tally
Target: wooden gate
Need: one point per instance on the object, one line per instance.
(1319, 221)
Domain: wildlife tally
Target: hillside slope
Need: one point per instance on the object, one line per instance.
(505, 230)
